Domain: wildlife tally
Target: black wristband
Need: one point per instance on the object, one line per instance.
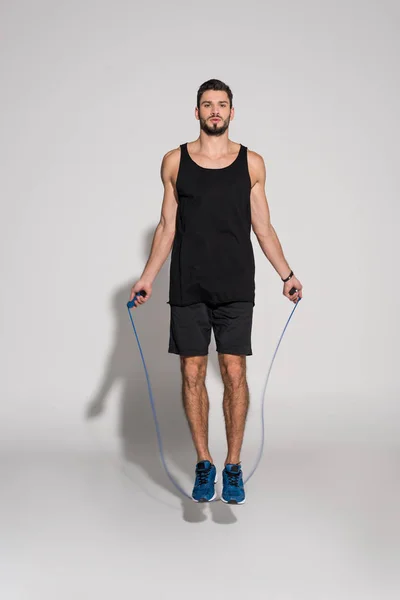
(287, 278)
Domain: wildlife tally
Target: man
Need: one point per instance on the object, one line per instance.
(214, 193)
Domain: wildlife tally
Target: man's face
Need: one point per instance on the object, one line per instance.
(215, 113)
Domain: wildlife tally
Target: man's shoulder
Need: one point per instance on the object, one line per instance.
(255, 158)
(170, 163)
(256, 166)
(172, 156)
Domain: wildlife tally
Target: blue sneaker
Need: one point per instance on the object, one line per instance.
(232, 485)
(204, 486)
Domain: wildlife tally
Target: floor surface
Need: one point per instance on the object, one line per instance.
(319, 523)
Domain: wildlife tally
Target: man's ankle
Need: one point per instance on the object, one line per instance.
(203, 458)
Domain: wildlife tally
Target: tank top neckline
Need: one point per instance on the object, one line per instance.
(210, 168)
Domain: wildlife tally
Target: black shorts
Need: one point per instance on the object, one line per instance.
(190, 328)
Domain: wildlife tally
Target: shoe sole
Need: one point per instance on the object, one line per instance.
(233, 501)
(205, 499)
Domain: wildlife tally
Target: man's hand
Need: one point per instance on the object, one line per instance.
(140, 285)
(293, 282)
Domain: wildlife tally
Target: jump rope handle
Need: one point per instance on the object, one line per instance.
(131, 303)
(292, 291)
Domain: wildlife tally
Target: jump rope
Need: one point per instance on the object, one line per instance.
(130, 305)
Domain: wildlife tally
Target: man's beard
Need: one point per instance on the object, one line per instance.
(214, 128)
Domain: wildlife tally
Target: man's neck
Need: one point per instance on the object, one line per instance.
(213, 145)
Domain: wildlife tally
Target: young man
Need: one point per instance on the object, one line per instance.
(214, 193)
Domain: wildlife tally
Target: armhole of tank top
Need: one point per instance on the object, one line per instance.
(181, 159)
(246, 163)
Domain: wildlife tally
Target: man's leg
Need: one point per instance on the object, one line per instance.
(235, 402)
(190, 335)
(196, 403)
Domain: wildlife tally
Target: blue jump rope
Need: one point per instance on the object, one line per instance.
(130, 305)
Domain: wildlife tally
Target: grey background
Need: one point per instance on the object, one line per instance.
(93, 95)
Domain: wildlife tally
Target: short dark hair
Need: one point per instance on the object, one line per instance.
(214, 84)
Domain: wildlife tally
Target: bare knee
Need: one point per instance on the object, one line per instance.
(193, 369)
(233, 369)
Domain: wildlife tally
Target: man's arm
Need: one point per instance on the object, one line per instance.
(165, 230)
(260, 217)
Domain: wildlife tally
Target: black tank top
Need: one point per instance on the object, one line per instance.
(212, 256)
